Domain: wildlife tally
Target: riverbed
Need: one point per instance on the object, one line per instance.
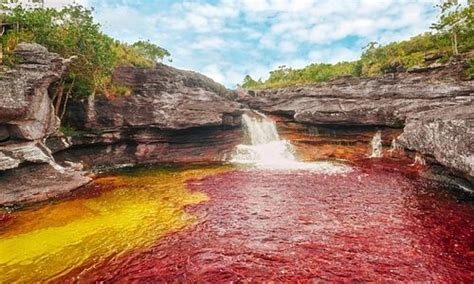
(380, 221)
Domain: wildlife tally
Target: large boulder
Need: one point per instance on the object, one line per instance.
(26, 112)
(28, 171)
(445, 134)
(163, 97)
(30, 184)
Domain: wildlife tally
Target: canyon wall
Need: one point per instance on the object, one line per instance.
(166, 115)
(28, 171)
(433, 107)
(169, 116)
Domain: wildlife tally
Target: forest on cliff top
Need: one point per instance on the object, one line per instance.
(72, 32)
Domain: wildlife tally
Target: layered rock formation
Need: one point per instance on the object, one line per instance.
(171, 116)
(436, 104)
(174, 116)
(335, 142)
(26, 119)
(445, 135)
(379, 101)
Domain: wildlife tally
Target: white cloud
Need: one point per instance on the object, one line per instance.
(135, 27)
(208, 43)
(227, 39)
(333, 55)
(288, 47)
(214, 72)
(62, 3)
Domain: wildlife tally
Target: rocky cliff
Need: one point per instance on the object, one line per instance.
(28, 170)
(434, 106)
(166, 116)
(170, 116)
(379, 101)
(445, 135)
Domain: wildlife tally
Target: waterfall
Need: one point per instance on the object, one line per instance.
(376, 145)
(266, 150)
(266, 147)
(260, 129)
(395, 146)
(419, 160)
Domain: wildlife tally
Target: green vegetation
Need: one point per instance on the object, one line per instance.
(72, 32)
(452, 34)
(470, 71)
(69, 131)
(455, 21)
(121, 90)
(150, 51)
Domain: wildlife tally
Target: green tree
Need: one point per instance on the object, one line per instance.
(69, 32)
(454, 19)
(150, 50)
(250, 83)
(72, 32)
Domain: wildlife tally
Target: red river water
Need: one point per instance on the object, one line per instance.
(280, 220)
(380, 222)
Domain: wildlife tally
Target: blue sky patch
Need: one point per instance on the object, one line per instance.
(228, 39)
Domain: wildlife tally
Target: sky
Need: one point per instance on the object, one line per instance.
(227, 39)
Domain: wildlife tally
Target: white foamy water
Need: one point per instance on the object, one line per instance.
(267, 151)
(376, 145)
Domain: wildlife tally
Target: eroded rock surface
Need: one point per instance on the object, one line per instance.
(166, 116)
(26, 119)
(381, 101)
(171, 116)
(39, 182)
(163, 97)
(436, 104)
(26, 111)
(446, 134)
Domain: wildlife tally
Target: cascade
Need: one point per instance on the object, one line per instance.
(419, 160)
(266, 150)
(376, 145)
(395, 146)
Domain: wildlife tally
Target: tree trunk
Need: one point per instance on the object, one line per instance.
(455, 43)
(68, 94)
(1, 42)
(59, 98)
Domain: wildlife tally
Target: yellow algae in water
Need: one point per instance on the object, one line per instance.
(45, 243)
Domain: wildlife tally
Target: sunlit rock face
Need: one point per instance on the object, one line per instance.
(28, 171)
(163, 97)
(26, 112)
(445, 135)
(381, 101)
(343, 116)
(171, 116)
